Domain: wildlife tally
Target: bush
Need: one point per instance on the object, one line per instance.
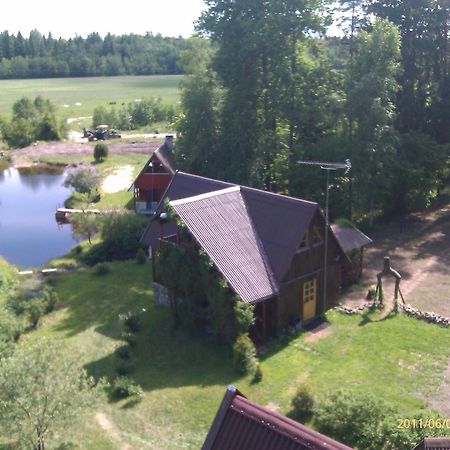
(244, 316)
(35, 308)
(84, 179)
(124, 352)
(257, 377)
(302, 404)
(50, 299)
(6, 349)
(141, 257)
(131, 321)
(131, 338)
(11, 326)
(101, 269)
(124, 387)
(355, 419)
(244, 355)
(124, 367)
(100, 151)
(120, 234)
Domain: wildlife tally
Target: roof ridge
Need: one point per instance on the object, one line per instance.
(196, 198)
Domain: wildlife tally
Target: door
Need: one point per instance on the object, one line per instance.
(309, 299)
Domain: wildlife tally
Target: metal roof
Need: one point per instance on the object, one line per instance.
(222, 225)
(434, 444)
(243, 425)
(182, 185)
(350, 237)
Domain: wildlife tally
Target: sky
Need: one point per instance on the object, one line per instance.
(65, 18)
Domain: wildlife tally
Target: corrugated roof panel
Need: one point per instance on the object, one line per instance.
(281, 223)
(220, 222)
(243, 425)
(182, 185)
(350, 237)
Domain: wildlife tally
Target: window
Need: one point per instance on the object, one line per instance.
(309, 291)
(305, 242)
(316, 236)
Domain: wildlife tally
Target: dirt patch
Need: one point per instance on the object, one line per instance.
(107, 425)
(121, 179)
(321, 331)
(72, 148)
(418, 247)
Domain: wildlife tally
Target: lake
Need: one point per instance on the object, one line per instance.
(29, 234)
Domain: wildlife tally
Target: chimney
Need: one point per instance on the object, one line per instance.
(168, 142)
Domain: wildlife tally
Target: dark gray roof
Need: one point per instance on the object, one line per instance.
(222, 225)
(241, 424)
(350, 237)
(250, 235)
(182, 185)
(281, 223)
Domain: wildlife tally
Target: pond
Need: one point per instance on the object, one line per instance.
(29, 234)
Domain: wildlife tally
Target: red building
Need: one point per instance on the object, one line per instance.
(154, 178)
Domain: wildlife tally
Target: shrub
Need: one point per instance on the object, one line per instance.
(131, 321)
(244, 316)
(100, 151)
(302, 404)
(124, 387)
(355, 419)
(131, 338)
(258, 374)
(84, 179)
(244, 355)
(101, 269)
(124, 352)
(141, 257)
(120, 233)
(11, 326)
(35, 308)
(6, 349)
(124, 367)
(50, 299)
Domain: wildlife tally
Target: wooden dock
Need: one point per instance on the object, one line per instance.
(62, 213)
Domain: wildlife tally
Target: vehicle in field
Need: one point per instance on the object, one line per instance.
(101, 133)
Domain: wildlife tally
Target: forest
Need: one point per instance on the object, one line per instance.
(272, 89)
(39, 56)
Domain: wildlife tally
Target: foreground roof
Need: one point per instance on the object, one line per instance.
(350, 237)
(434, 444)
(243, 425)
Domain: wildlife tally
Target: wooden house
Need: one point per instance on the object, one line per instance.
(154, 178)
(241, 424)
(269, 247)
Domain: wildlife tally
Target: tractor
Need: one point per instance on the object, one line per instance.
(101, 133)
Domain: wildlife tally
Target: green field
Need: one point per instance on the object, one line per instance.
(90, 92)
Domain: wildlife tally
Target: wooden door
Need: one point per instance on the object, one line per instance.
(309, 299)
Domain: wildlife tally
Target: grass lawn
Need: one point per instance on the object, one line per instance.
(184, 377)
(77, 97)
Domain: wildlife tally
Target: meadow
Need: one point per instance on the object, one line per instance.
(77, 97)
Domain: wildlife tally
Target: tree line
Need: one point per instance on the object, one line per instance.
(271, 90)
(39, 56)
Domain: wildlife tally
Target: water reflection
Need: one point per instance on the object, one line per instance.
(29, 235)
